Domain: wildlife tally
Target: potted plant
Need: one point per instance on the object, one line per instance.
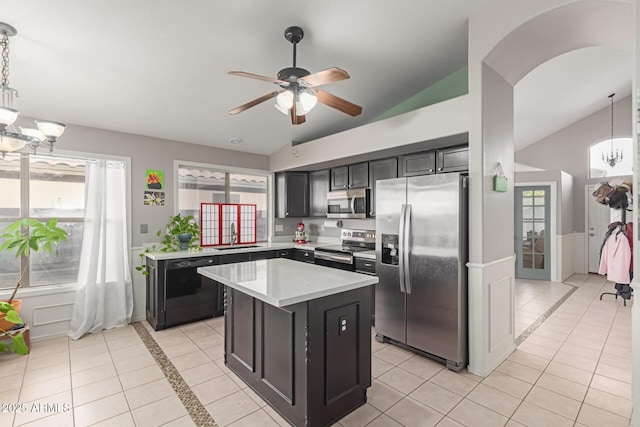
(181, 233)
(21, 238)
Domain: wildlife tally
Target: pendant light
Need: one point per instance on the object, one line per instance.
(612, 158)
(10, 139)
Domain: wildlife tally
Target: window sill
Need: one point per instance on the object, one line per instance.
(40, 291)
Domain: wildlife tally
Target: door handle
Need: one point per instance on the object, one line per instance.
(591, 234)
(401, 248)
(405, 250)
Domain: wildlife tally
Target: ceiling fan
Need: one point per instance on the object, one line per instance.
(299, 92)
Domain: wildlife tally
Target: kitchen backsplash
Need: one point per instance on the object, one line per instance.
(315, 225)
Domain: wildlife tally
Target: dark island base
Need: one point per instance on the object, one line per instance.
(310, 361)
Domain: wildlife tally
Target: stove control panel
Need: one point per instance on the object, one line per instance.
(367, 236)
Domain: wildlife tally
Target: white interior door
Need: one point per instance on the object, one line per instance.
(598, 220)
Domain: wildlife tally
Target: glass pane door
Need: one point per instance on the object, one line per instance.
(531, 232)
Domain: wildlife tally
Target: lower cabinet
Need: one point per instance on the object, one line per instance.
(305, 255)
(310, 361)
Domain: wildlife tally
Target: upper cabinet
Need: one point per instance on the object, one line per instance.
(380, 169)
(454, 159)
(417, 164)
(292, 194)
(350, 176)
(318, 189)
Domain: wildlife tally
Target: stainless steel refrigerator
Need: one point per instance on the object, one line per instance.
(421, 255)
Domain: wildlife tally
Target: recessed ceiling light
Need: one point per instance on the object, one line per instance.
(235, 141)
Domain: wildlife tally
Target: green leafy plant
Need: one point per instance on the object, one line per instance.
(21, 238)
(178, 225)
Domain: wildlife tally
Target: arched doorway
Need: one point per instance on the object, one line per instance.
(506, 44)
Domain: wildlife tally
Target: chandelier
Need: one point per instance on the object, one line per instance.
(10, 138)
(612, 158)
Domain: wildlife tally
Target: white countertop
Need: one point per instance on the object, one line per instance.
(281, 282)
(257, 247)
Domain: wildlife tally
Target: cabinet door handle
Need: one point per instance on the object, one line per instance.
(439, 169)
(430, 170)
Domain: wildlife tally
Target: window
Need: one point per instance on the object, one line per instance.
(199, 184)
(597, 166)
(43, 187)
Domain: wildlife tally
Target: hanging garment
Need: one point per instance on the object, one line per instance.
(616, 258)
(104, 298)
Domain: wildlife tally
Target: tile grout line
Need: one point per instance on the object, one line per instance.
(540, 320)
(192, 404)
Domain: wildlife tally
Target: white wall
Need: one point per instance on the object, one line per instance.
(440, 120)
(568, 149)
(49, 309)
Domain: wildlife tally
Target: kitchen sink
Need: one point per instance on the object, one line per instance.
(226, 248)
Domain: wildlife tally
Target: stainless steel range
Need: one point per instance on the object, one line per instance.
(342, 256)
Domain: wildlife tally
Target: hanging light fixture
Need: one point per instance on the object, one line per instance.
(10, 139)
(612, 158)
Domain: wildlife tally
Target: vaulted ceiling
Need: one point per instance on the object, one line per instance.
(159, 67)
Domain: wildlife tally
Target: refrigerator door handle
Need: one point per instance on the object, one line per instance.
(401, 237)
(405, 249)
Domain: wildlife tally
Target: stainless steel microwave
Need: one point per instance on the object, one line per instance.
(353, 203)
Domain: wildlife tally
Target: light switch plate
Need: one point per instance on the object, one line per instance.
(279, 227)
(144, 228)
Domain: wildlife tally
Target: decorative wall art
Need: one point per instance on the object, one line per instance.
(155, 179)
(154, 198)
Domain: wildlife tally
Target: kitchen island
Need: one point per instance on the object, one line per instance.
(299, 335)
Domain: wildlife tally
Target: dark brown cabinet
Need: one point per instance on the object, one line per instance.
(417, 164)
(340, 178)
(350, 176)
(286, 253)
(455, 159)
(380, 169)
(292, 194)
(310, 361)
(318, 189)
(359, 175)
(305, 255)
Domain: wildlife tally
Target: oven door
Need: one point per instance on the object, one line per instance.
(348, 203)
(341, 260)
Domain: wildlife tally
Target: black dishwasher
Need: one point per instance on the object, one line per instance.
(189, 296)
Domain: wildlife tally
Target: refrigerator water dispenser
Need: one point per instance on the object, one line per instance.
(390, 251)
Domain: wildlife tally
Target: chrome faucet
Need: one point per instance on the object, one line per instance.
(234, 235)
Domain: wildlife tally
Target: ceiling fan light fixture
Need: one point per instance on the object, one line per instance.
(284, 111)
(285, 100)
(307, 100)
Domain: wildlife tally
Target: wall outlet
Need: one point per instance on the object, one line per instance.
(279, 227)
(321, 227)
(144, 228)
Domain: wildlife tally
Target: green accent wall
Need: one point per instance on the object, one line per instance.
(452, 86)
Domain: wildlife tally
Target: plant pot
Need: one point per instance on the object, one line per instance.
(5, 325)
(184, 240)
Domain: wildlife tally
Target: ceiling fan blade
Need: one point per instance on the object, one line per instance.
(323, 77)
(253, 103)
(258, 77)
(338, 103)
(295, 118)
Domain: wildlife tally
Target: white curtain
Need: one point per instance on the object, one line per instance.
(104, 298)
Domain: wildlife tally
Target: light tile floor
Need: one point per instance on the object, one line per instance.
(574, 369)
